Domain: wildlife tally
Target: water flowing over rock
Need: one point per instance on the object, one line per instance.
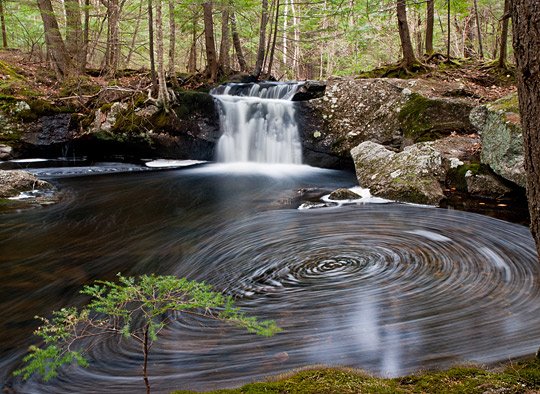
(502, 138)
(258, 123)
(414, 175)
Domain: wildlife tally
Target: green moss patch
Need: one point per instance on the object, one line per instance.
(520, 377)
(508, 103)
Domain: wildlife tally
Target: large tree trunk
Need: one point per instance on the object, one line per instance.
(74, 34)
(430, 21)
(211, 58)
(56, 48)
(237, 45)
(262, 40)
(504, 34)
(112, 57)
(526, 25)
(406, 45)
(224, 59)
(3, 23)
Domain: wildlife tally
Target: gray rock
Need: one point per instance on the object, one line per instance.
(104, 121)
(13, 182)
(414, 175)
(5, 152)
(343, 194)
(485, 185)
(502, 139)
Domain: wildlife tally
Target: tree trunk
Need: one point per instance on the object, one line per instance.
(262, 40)
(211, 58)
(172, 44)
(3, 23)
(135, 33)
(430, 21)
(285, 28)
(224, 59)
(478, 30)
(273, 47)
(74, 34)
(406, 45)
(468, 37)
(163, 94)
(145, 359)
(504, 34)
(86, 34)
(448, 31)
(192, 60)
(237, 45)
(112, 58)
(526, 25)
(153, 76)
(55, 44)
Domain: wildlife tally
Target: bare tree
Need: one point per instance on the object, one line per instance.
(112, 52)
(163, 94)
(74, 34)
(504, 34)
(172, 44)
(526, 38)
(262, 40)
(224, 59)
(3, 23)
(237, 45)
(430, 21)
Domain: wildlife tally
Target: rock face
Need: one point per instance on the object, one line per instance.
(502, 139)
(343, 194)
(390, 112)
(414, 175)
(14, 182)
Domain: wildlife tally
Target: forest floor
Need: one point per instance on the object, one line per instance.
(21, 76)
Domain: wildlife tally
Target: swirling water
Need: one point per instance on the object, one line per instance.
(389, 288)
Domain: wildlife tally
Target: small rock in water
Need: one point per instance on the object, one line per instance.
(343, 194)
(281, 356)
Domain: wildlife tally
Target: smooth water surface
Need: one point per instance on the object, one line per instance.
(390, 288)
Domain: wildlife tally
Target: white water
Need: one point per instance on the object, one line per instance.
(258, 123)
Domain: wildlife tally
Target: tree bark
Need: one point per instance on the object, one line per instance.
(135, 33)
(237, 45)
(526, 39)
(153, 76)
(224, 59)
(86, 33)
(112, 58)
(406, 45)
(74, 34)
(274, 39)
(56, 48)
(192, 60)
(262, 40)
(163, 94)
(504, 35)
(430, 21)
(211, 58)
(172, 44)
(3, 23)
(478, 30)
(448, 30)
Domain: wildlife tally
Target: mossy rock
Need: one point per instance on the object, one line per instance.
(78, 86)
(508, 103)
(455, 177)
(189, 102)
(424, 119)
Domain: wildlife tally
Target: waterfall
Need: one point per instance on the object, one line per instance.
(258, 123)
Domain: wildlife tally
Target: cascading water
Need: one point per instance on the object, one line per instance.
(258, 123)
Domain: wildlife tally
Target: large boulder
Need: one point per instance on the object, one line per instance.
(13, 182)
(414, 175)
(502, 138)
(390, 112)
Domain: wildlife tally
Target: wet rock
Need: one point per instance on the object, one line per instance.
(49, 130)
(343, 194)
(414, 175)
(5, 152)
(13, 182)
(502, 138)
(310, 90)
(485, 185)
(105, 119)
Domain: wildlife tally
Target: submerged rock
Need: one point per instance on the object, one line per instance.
(502, 138)
(343, 194)
(414, 175)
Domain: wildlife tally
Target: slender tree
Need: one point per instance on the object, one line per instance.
(526, 39)
(153, 74)
(211, 58)
(406, 45)
(112, 53)
(237, 45)
(478, 29)
(504, 34)
(274, 39)
(262, 39)
(172, 44)
(3, 24)
(225, 44)
(74, 34)
(430, 21)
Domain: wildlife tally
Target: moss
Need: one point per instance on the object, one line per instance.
(78, 86)
(189, 102)
(128, 122)
(508, 103)
(106, 107)
(517, 378)
(455, 177)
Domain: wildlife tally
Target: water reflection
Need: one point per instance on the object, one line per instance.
(389, 288)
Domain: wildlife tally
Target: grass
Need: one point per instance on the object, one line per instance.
(516, 377)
